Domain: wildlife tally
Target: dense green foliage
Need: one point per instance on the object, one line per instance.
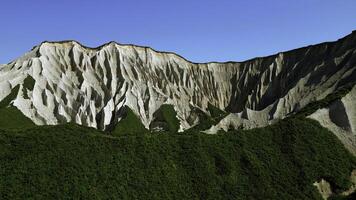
(352, 196)
(29, 84)
(10, 117)
(207, 120)
(7, 100)
(13, 119)
(69, 161)
(130, 124)
(166, 118)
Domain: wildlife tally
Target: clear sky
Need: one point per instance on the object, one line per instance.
(199, 30)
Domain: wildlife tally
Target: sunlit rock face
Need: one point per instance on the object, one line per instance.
(73, 83)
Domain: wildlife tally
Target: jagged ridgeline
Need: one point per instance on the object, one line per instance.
(62, 82)
(129, 122)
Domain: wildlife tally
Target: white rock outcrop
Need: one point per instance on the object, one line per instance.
(324, 188)
(92, 86)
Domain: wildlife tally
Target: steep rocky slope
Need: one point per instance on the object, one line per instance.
(58, 82)
(340, 118)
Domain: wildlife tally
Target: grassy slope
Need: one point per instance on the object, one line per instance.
(278, 162)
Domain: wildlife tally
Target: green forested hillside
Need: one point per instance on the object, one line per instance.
(69, 161)
(281, 161)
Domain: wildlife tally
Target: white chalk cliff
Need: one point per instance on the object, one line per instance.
(92, 86)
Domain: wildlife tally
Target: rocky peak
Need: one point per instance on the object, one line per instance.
(91, 86)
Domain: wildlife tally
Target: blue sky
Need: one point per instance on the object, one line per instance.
(199, 30)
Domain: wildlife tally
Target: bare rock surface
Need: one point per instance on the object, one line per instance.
(324, 188)
(91, 86)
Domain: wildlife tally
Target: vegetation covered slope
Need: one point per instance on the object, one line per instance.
(10, 117)
(129, 124)
(13, 119)
(165, 119)
(69, 161)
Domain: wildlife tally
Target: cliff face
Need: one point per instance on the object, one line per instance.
(58, 82)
